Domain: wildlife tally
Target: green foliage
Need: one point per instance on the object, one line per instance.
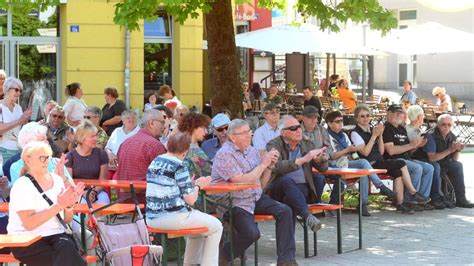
(31, 62)
(41, 5)
(356, 10)
(129, 12)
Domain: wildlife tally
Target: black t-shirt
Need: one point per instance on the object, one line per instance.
(109, 112)
(399, 137)
(314, 102)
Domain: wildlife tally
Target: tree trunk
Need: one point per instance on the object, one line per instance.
(223, 59)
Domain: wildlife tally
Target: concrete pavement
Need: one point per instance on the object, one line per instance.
(429, 237)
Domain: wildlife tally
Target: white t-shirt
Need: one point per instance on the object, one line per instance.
(75, 108)
(9, 138)
(118, 137)
(24, 196)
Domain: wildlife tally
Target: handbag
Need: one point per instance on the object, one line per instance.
(67, 228)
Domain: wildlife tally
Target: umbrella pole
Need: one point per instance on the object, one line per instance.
(364, 77)
(334, 64)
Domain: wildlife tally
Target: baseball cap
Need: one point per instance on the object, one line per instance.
(395, 108)
(310, 111)
(220, 120)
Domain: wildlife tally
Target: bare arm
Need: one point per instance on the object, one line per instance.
(381, 145)
(112, 121)
(365, 149)
(251, 176)
(191, 197)
(32, 219)
(397, 149)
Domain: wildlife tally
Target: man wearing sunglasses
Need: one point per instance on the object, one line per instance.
(58, 128)
(292, 181)
(269, 130)
(220, 124)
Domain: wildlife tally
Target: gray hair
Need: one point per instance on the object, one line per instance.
(283, 120)
(32, 131)
(11, 81)
(414, 111)
(150, 115)
(127, 113)
(444, 116)
(236, 124)
(95, 110)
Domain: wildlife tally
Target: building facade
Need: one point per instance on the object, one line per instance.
(454, 71)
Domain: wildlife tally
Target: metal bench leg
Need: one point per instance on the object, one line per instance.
(360, 214)
(315, 244)
(256, 252)
(339, 211)
(305, 240)
(178, 252)
(164, 259)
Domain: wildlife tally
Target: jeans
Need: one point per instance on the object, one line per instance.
(456, 172)
(436, 192)
(285, 190)
(200, 249)
(363, 180)
(246, 231)
(319, 183)
(421, 174)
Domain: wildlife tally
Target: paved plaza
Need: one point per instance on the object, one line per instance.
(430, 237)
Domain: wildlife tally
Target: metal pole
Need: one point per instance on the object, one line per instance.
(328, 62)
(127, 68)
(364, 65)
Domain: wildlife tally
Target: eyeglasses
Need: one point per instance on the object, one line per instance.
(59, 116)
(339, 121)
(292, 128)
(364, 116)
(244, 132)
(43, 159)
(89, 117)
(221, 129)
(17, 90)
(446, 124)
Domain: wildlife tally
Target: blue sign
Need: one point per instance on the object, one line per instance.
(74, 28)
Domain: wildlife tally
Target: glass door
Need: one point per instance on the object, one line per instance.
(36, 67)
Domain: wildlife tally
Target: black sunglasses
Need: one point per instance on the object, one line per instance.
(292, 128)
(221, 129)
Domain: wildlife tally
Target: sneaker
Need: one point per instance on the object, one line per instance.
(405, 209)
(438, 204)
(313, 223)
(386, 192)
(416, 207)
(365, 210)
(449, 204)
(428, 207)
(417, 198)
(464, 204)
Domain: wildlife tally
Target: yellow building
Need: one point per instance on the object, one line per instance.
(90, 49)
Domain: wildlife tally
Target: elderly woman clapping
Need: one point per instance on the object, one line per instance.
(46, 214)
(12, 117)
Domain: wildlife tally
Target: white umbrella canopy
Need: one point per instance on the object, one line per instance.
(305, 38)
(427, 38)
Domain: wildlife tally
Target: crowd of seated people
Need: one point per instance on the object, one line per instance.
(77, 142)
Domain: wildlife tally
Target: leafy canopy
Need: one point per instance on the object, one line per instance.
(129, 12)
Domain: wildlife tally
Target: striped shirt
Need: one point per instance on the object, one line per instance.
(168, 181)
